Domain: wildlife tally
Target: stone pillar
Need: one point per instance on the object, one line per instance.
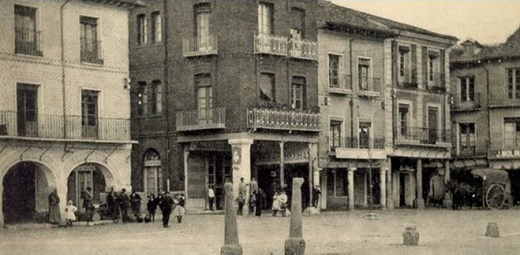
(448, 200)
(1, 204)
(418, 197)
(389, 190)
(186, 153)
(295, 245)
(241, 158)
(382, 186)
(62, 193)
(231, 244)
(350, 180)
(313, 155)
(282, 165)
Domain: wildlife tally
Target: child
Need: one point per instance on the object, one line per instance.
(252, 201)
(179, 210)
(70, 213)
(241, 201)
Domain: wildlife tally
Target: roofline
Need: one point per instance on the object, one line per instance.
(119, 3)
(347, 28)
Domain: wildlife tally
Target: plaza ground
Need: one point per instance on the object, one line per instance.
(441, 232)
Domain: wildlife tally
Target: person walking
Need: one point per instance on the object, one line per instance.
(276, 204)
(124, 203)
(88, 204)
(316, 193)
(166, 205)
(211, 197)
(241, 201)
(112, 205)
(151, 206)
(54, 207)
(259, 201)
(70, 213)
(135, 201)
(178, 210)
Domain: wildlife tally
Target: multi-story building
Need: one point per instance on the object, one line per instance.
(64, 115)
(385, 110)
(485, 85)
(225, 90)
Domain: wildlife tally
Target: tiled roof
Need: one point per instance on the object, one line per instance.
(133, 3)
(331, 13)
(474, 51)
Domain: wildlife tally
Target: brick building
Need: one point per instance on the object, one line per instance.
(58, 128)
(485, 113)
(223, 90)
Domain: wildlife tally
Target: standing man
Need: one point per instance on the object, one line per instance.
(54, 207)
(124, 203)
(88, 204)
(242, 187)
(254, 185)
(211, 196)
(135, 201)
(166, 205)
(316, 193)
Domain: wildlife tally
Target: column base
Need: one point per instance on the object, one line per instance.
(419, 203)
(231, 249)
(295, 246)
(448, 203)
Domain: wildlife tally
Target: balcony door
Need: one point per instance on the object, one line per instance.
(202, 17)
(432, 124)
(204, 99)
(27, 107)
(89, 114)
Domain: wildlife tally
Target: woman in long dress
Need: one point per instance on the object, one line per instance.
(179, 210)
(54, 207)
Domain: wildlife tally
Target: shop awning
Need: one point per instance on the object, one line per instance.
(492, 175)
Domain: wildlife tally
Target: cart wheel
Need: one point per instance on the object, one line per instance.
(495, 196)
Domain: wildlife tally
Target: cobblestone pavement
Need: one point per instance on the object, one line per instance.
(441, 232)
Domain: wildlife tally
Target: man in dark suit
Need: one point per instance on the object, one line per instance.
(166, 205)
(124, 203)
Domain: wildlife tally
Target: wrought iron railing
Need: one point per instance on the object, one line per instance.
(340, 82)
(283, 120)
(303, 49)
(369, 86)
(200, 46)
(91, 51)
(213, 118)
(422, 135)
(13, 124)
(355, 143)
(271, 44)
(28, 41)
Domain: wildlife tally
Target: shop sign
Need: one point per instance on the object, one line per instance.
(506, 154)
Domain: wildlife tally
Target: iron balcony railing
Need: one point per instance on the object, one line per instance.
(91, 51)
(369, 86)
(422, 135)
(213, 118)
(28, 41)
(271, 44)
(303, 49)
(200, 46)
(433, 79)
(355, 143)
(283, 120)
(16, 124)
(470, 103)
(340, 82)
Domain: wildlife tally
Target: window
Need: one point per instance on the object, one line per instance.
(334, 79)
(267, 88)
(337, 183)
(27, 109)
(202, 17)
(153, 183)
(90, 46)
(467, 89)
(363, 74)
(89, 113)
(204, 98)
(364, 135)
(142, 35)
(433, 68)
(156, 27)
(513, 83)
(403, 118)
(297, 24)
(27, 38)
(265, 18)
(335, 134)
(404, 63)
(142, 99)
(298, 93)
(512, 133)
(156, 100)
(467, 138)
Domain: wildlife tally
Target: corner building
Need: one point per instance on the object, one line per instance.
(64, 116)
(226, 90)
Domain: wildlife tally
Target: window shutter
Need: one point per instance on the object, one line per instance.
(442, 60)
(425, 60)
(395, 66)
(414, 64)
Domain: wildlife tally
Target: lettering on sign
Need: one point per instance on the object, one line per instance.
(507, 154)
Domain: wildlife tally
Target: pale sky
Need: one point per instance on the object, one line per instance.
(483, 20)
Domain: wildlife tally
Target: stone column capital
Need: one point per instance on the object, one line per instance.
(352, 169)
(240, 141)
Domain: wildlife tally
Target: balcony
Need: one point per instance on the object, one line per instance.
(470, 105)
(435, 82)
(408, 85)
(352, 148)
(340, 84)
(275, 119)
(200, 46)
(470, 152)
(64, 127)
(28, 42)
(91, 51)
(271, 44)
(214, 118)
(370, 87)
(422, 136)
(303, 49)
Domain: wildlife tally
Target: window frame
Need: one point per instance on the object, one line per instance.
(265, 18)
(467, 89)
(364, 63)
(467, 140)
(156, 98)
(331, 70)
(512, 141)
(368, 141)
(156, 33)
(33, 45)
(142, 29)
(335, 130)
(404, 63)
(298, 92)
(404, 129)
(513, 82)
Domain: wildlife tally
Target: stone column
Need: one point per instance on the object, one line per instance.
(186, 153)
(241, 158)
(313, 155)
(448, 200)
(1, 204)
(350, 180)
(231, 244)
(382, 186)
(62, 193)
(389, 191)
(282, 165)
(418, 179)
(295, 245)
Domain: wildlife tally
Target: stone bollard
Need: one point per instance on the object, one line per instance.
(231, 245)
(295, 245)
(411, 236)
(492, 230)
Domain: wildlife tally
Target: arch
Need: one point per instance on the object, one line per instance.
(152, 172)
(110, 176)
(46, 168)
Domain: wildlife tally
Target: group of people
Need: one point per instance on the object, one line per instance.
(117, 205)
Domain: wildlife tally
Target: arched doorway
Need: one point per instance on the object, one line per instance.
(83, 176)
(25, 194)
(152, 173)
